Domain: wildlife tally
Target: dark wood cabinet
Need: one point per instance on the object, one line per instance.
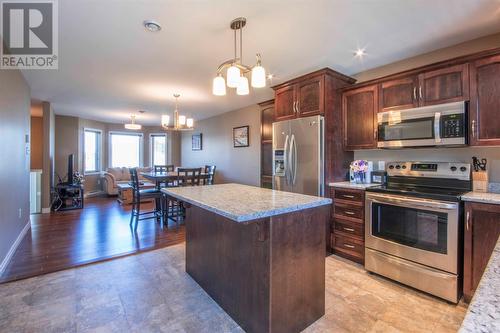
(285, 103)
(398, 94)
(348, 223)
(266, 145)
(485, 102)
(444, 85)
(482, 229)
(359, 110)
(310, 97)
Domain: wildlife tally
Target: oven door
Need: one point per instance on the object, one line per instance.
(421, 230)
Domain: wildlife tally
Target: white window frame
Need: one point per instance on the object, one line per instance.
(151, 157)
(141, 146)
(99, 151)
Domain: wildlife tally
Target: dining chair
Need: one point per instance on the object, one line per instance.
(142, 194)
(185, 177)
(210, 175)
(164, 168)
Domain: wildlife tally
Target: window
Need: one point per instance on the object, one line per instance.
(92, 150)
(125, 149)
(158, 149)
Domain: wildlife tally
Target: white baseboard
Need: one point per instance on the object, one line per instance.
(14, 246)
(45, 210)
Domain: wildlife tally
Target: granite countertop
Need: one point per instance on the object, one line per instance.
(483, 314)
(243, 203)
(350, 185)
(492, 196)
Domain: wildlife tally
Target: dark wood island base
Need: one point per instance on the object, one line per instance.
(268, 274)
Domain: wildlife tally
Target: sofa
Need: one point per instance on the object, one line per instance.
(114, 176)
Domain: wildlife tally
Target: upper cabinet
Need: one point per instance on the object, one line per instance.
(445, 85)
(300, 99)
(485, 102)
(359, 113)
(398, 94)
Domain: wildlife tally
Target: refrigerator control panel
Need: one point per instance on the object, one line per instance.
(279, 162)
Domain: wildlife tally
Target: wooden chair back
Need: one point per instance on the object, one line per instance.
(210, 171)
(188, 176)
(164, 168)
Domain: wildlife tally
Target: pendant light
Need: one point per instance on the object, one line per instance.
(236, 70)
(132, 125)
(181, 122)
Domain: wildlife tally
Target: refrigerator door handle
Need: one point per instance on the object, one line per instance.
(285, 159)
(293, 159)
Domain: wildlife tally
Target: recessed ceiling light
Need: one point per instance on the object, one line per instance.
(270, 76)
(152, 26)
(360, 53)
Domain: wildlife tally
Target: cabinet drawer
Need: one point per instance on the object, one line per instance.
(348, 211)
(349, 228)
(349, 195)
(348, 245)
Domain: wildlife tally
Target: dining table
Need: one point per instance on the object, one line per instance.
(168, 177)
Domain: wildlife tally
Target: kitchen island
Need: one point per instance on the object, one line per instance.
(259, 253)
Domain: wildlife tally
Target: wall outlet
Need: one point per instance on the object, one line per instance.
(20, 212)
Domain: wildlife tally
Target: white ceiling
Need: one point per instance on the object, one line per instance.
(110, 66)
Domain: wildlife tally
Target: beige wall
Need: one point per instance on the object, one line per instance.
(436, 154)
(69, 139)
(36, 143)
(14, 161)
(239, 165)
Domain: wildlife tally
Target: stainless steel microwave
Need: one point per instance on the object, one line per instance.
(436, 125)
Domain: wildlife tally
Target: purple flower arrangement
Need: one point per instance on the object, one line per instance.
(359, 169)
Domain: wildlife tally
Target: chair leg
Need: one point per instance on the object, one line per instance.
(132, 213)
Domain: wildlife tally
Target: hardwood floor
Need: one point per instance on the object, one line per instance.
(99, 232)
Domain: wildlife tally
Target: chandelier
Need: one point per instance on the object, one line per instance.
(180, 123)
(132, 125)
(236, 70)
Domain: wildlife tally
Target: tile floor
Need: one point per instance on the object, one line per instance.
(150, 292)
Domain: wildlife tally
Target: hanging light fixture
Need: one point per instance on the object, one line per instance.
(236, 70)
(132, 125)
(180, 122)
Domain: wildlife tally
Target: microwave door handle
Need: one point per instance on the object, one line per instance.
(437, 127)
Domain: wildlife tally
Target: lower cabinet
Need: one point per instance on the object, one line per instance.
(348, 224)
(482, 229)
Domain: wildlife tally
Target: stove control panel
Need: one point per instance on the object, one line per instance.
(452, 170)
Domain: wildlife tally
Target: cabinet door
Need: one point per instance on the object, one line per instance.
(485, 102)
(266, 124)
(445, 85)
(482, 229)
(311, 97)
(398, 94)
(359, 111)
(284, 102)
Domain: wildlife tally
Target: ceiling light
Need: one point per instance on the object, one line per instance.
(236, 70)
(152, 26)
(132, 125)
(360, 52)
(270, 76)
(181, 122)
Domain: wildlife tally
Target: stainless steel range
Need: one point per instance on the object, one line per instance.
(414, 226)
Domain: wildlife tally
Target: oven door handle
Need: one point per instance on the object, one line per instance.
(412, 202)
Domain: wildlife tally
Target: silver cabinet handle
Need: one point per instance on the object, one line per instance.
(293, 107)
(349, 246)
(349, 212)
(467, 224)
(473, 128)
(348, 229)
(348, 196)
(414, 93)
(420, 92)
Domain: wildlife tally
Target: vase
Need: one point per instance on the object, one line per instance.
(359, 177)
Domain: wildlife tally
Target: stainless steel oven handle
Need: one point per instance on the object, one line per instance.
(413, 202)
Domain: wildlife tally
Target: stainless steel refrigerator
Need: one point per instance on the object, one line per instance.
(298, 155)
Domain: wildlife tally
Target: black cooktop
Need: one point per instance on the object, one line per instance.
(437, 193)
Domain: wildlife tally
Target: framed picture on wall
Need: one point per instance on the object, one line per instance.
(197, 142)
(241, 136)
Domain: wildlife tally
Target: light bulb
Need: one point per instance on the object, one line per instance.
(219, 86)
(165, 120)
(258, 77)
(242, 88)
(182, 120)
(233, 76)
(190, 122)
